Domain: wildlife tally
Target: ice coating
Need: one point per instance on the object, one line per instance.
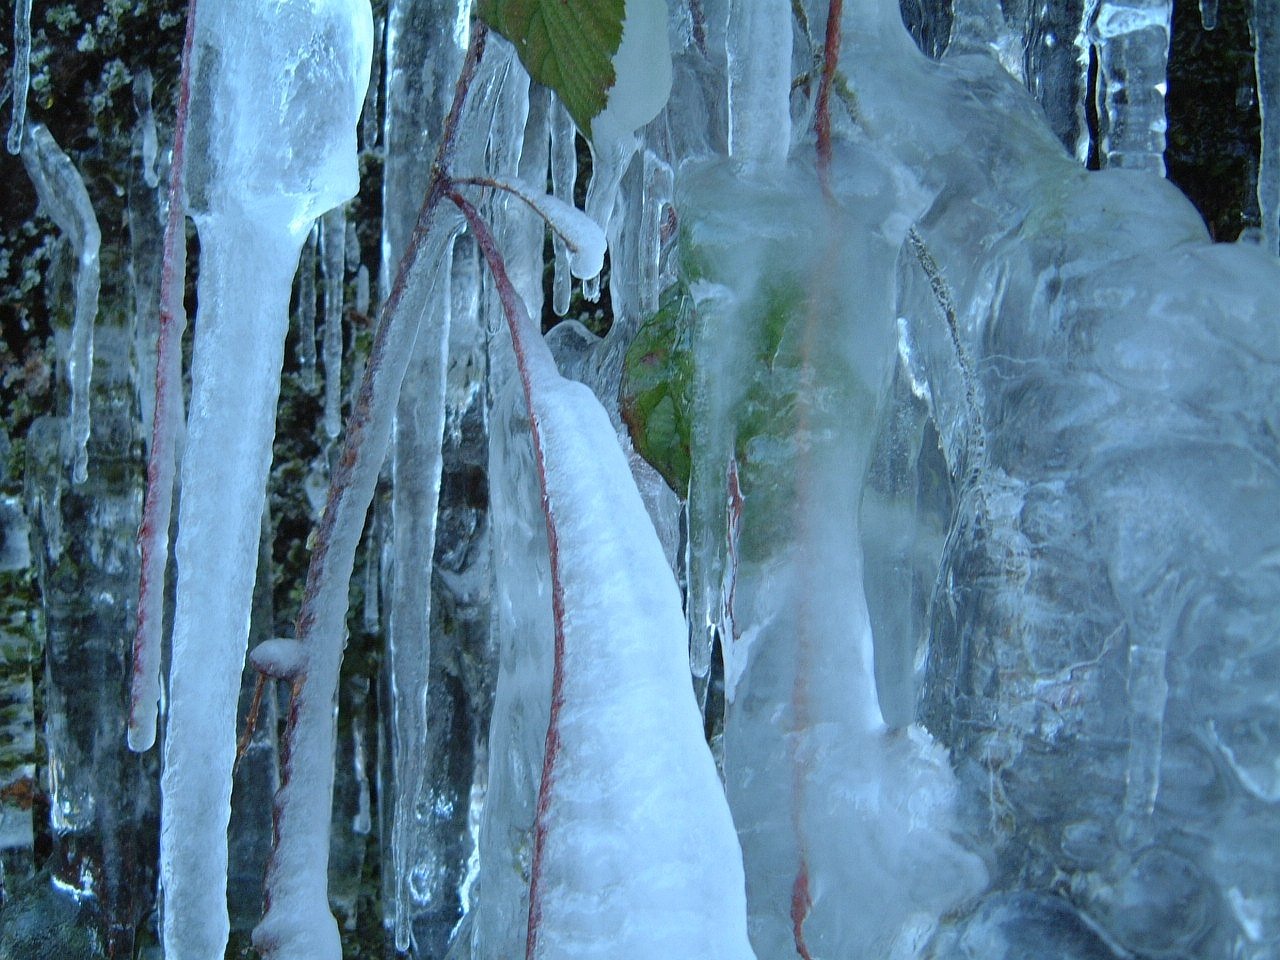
(148, 145)
(21, 75)
(782, 490)
(583, 238)
(65, 200)
(276, 94)
(634, 852)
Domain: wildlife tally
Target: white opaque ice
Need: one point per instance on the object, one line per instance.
(276, 93)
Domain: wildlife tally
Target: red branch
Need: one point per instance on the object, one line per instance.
(830, 58)
(153, 535)
(521, 332)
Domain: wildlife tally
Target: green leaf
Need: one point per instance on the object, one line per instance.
(657, 380)
(567, 45)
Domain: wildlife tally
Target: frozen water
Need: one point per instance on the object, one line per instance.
(21, 73)
(261, 168)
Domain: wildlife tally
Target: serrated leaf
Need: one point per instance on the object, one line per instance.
(567, 45)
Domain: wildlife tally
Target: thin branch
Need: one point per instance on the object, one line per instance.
(153, 535)
(250, 721)
(830, 59)
(525, 341)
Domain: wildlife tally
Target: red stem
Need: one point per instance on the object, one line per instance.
(521, 331)
(153, 534)
(830, 58)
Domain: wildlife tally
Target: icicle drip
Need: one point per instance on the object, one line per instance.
(564, 175)
(63, 198)
(332, 269)
(759, 49)
(1209, 14)
(655, 205)
(1266, 35)
(609, 162)
(363, 294)
(146, 240)
(148, 145)
(370, 615)
(1132, 40)
(306, 316)
(21, 76)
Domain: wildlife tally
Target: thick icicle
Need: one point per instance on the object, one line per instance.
(333, 271)
(759, 48)
(1266, 40)
(634, 853)
(63, 197)
(276, 94)
(1132, 40)
(21, 75)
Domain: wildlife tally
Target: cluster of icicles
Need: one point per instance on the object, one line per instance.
(606, 830)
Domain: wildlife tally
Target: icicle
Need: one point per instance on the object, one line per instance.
(415, 474)
(21, 73)
(1266, 38)
(1148, 696)
(1132, 39)
(332, 270)
(759, 47)
(65, 200)
(655, 203)
(564, 175)
(276, 92)
(1209, 14)
(363, 294)
(306, 286)
(142, 89)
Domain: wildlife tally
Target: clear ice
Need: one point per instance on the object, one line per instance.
(946, 629)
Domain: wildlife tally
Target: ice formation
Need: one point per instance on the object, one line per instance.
(938, 623)
(259, 171)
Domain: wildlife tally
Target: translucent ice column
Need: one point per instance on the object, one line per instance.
(1132, 40)
(276, 93)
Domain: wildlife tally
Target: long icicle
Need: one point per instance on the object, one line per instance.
(166, 425)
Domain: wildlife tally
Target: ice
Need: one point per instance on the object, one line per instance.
(64, 199)
(759, 49)
(21, 75)
(421, 65)
(810, 767)
(582, 237)
(1265, 24)
(1132, 40)
(564, 174)
(260, 169)
(634, 854)
(1209, 14)
(333, 274)
(642, 66)
(306, 316)
(148, 144)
